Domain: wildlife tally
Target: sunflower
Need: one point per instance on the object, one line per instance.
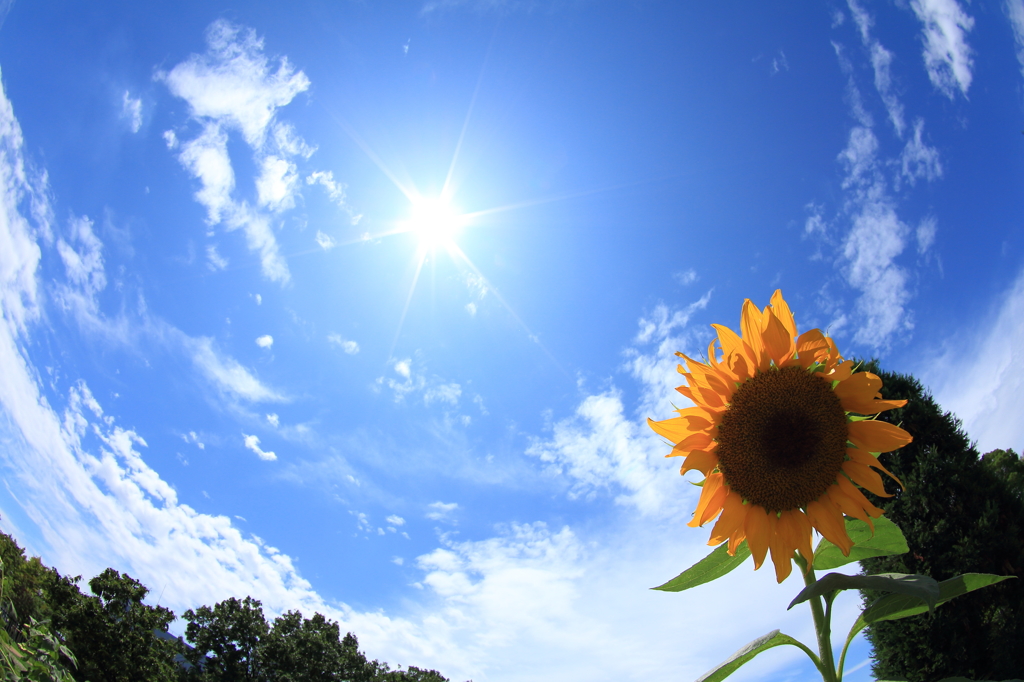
(780, 429)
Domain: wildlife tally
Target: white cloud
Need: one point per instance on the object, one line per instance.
(444, 393)
(402, 367)
(325, 241)
(876, 238)
(947, 56)
(226, 373)
(277, 184)
(259, 236)
(441, 511)
(397, 561)
(685, 277)
(253, 443)
(881, 60)
(926, 234)
(206, 158)
(265, 341)
(258, 299)
(471, 309)
(1015, 11)
(335, 190)
(83, 258)
(350, 347)
(919, 160)
(131, 111)
(979, 377)
(395, 520)
(234, 81)
(214, 260)
(233, 87)
(273, 420)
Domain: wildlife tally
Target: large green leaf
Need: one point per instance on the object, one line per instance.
(895, 606)
(917, 588)
(711, 567)
(887, 540)
(733, 663)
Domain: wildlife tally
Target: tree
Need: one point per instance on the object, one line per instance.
(304, 650)
(959, 515)
(112, 633)
(232, 632)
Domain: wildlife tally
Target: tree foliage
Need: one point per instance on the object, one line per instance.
(960, 514)
(51, 630)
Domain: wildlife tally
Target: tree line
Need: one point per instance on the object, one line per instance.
(52, 630)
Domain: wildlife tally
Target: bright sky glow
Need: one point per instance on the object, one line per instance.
(239, 355)
(434, 221)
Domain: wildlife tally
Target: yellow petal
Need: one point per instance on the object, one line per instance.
(738, 536)
(777, 341)
(851, 491)
(756, 528)
(736, 353)
(751, 324)
(877, 436)
(678, 429)
(848, 505)
(828, 520)
(701, 460)
(865, 477)
(810, 346)
(733, 514)
(860, 394)
(867, 459)
(782, 551)
(783, 312)
(712, 495)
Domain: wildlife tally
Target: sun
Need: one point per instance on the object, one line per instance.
(434, 221)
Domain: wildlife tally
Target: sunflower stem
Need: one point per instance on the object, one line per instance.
(822, 627)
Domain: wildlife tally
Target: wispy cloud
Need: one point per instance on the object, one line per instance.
(233, 86)
(265, 341)
(881, 60)
(347, 345)
(325, 241)
(226, 374)
(1015, 12)
(441, 511)
(253, 443)
(947, 56)
(131, 111)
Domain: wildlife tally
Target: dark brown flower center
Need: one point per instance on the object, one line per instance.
(782, 441)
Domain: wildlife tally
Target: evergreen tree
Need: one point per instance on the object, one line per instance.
(227, 640)
(960, 514)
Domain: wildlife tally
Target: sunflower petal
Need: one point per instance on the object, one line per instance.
(865, 477)
(803, 534)
(783, 312)
(779, 544)
(756, 528)
(712, 495)
(752, 325)
(877, 436)
(860, 394)
(867, 459)
(810, 346)
(777, 340)
(738, 536)
(733, 514)
(700, 460)
(847, 504)
(851, 491)
(828, 520)
(678, 429)
(736, 353)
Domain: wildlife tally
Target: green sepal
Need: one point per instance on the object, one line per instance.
(917, 588)
(711, 567)
(887, 540)
(733, 663)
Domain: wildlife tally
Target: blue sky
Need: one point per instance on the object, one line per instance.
(233, 367)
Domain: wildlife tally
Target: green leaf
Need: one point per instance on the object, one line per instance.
(895, 606)
(711, 567)
(887, 540)
(733, 663)
(917, 588)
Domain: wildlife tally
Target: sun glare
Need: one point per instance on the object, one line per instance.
(434, 221)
